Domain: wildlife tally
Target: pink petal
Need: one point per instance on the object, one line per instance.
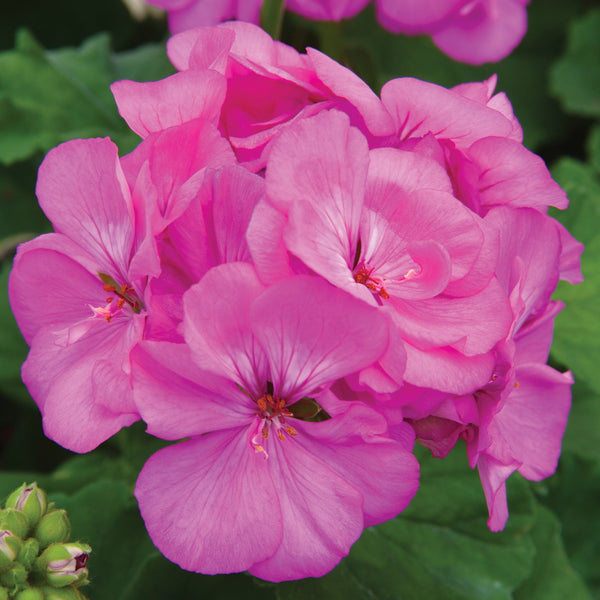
(419, 108)
(531, 423)
(217, 325)
(351, 444)
(317, 169)
(178, 400)
(488, 33)
(64, 381)
(313, 333)
(202, 48)
(511, 174)
(472, 325)
(49, 289)
(157, 105)
(82, 190)
(414, 16)
(493, 476)
(343, 83)
(314, 540)
(209, 504)
(265, 241)
(447, 370)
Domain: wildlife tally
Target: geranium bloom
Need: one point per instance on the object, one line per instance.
(95, 272)
(268, 85)
(516, 421)
(264, 484)
(79, 295)
(471, 31)
(384, 225)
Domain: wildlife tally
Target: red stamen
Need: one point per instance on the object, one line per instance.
(109, 288)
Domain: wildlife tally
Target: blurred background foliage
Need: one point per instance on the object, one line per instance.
(57, 60)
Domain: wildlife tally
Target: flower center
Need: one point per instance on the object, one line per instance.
(273, 415)
(122, 295)
(363, 274)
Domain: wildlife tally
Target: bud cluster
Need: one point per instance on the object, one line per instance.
(37, 562)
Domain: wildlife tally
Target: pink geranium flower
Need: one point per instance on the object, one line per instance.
(384, 225)
(516, 421)
(79, 294)
(96, 272)
(264, 483)
(264, 85)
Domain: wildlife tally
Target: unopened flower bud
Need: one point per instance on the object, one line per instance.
(14, 521)
(54, 527)
(64, 564)
(10, 546)
(30, 594)
(30, 500)
(66, 593)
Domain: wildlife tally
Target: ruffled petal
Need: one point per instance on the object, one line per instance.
(209, 504)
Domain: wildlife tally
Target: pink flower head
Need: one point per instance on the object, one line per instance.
(186, 14)
(268, 85)
(79, 294)
(516, 421)
(278, 475)
(384, 225)
(471, 31)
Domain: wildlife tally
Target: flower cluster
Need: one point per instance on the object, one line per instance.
(299, 278)
(471, 31)
(37, 562)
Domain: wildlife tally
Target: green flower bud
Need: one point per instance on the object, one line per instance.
(30, 500)
(64, 564)
(30, 594)
(3, 593)
(66, 593)
(29, 552)
(54, 527)
(10, 546)
(14, 521)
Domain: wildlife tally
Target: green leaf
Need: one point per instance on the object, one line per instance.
(47, 97)
(13, 349)
(439, 547)
(593, 145)
(573, 497)
(577, 328)
(576, 76)
(553, 578)
(582, 436)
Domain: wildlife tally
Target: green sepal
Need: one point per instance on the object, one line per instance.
(308, 409)
(15, 577)
(15, 521)
(108, 280)
(29, 552)
(54, 527)
(66, 593)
